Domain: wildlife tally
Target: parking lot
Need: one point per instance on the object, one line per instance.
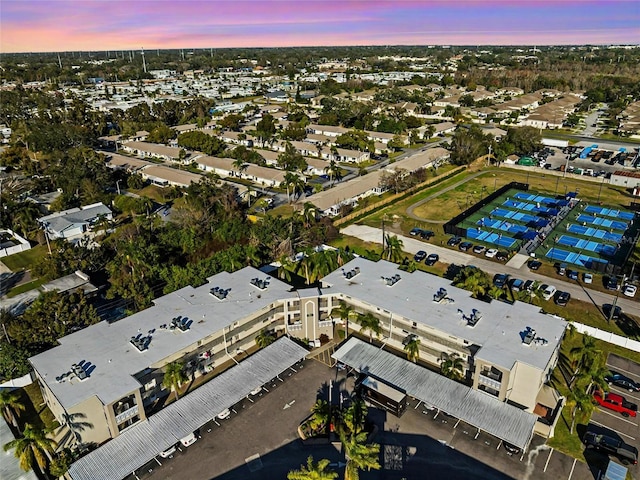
(608, 421)
(259, 440)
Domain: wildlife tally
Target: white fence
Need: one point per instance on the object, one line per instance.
(13, 247)
(608, 336)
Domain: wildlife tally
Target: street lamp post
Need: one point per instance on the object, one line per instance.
(600, 191)
(615, 300)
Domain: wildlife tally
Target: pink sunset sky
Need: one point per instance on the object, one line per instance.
(63, 25)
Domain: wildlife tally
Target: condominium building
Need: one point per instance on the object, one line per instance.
(112, 373)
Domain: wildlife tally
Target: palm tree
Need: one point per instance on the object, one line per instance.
(320, 412)
(495, 292)
(313, 471)
(344, 311)
(583, 356)
(11, 403)
(368, 321)
(353, 418)
(174, 376)
(33, 448)
(289, 179)
(240, 165)
(309, 214)
(413, 349)
(359, 455)
(297, 185)
(332, 169)
(284, 271)
(264, 338)
(472, 279)
(394, 248)
(452, 366)
(582, 402)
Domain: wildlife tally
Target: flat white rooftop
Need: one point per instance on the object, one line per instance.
(112, 360)
(499, 332)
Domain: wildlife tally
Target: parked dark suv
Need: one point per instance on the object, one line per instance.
(628, 454)
(621, 381)
(453, 241)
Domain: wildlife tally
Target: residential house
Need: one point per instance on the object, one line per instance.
(164, 176)
(153, 150)
(74, 223)
(327, 130)
(225, 167)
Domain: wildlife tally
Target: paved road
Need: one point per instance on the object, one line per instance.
(577, 290)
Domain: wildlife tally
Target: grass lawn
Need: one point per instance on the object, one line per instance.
(25, 287)
(36, 413)
(158, 194)
(25, 260)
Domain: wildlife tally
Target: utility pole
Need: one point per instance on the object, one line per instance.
(144, 63)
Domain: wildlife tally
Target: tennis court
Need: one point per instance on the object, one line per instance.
(602, 222)
(589, 245)
(609, 212)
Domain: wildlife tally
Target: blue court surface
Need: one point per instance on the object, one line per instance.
(501, 225)
(608, 212)
(512, 214)
(532, 197)
(530, 207)
(570, 257)
(588, 245)
(601, 222)
(594, 233)
(490, 237)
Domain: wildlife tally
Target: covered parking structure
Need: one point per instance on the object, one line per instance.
(478, 409)
(139, 444)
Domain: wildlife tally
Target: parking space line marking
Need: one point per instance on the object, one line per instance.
(572, 467)
(548, 458)
(619, 433)
(623, 391)
(618, 417)
(622, 370)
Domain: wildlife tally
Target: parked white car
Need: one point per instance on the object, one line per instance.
(168, 452)
(587, 278)
(492, 252)
(255, 391)
(630, 290)
(224, 414)
(188, 440)
(548, 292)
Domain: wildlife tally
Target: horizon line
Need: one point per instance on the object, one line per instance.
(430, 45)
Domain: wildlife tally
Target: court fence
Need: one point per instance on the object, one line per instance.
(452, 226)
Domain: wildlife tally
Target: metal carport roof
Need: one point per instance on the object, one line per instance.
(476, 408)
(139, 444)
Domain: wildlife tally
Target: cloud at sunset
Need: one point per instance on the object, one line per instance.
(61, 25)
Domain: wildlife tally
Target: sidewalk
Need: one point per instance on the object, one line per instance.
(577, 290)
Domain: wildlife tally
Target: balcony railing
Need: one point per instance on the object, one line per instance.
(127, 414)
(489, 382)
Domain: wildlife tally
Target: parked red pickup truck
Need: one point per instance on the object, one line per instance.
(616, 402)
